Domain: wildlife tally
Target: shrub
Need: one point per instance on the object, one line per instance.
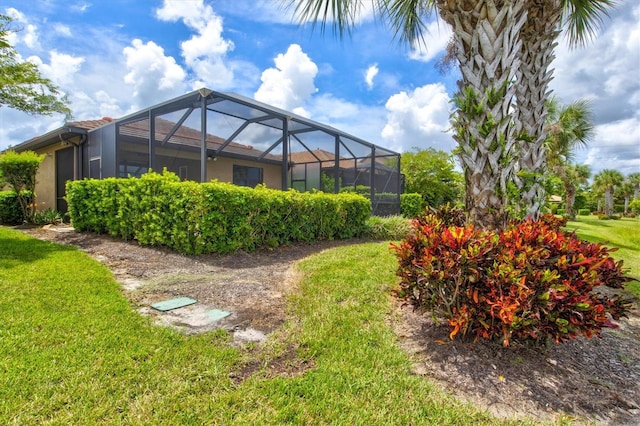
(530, 282)
(584, 212)
(158, 209)
(635, 206)
(449, 215)
(553, 221)
(48, 217)
(389, 228)
(10, 211)
(410, 205)
(19, 170)
(560, 212)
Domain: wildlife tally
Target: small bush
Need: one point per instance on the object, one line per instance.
(584, 212)
(388, 228)
(449, 215)
(531, 282)
(560, 212)
(48, 217)
(603, 216)
(10, 211)
(553, 221)
(410, 205)
(635, 206)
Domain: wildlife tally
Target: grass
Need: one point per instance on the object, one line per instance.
(74, 351)
(623, 234)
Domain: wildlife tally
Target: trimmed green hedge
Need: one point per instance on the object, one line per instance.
(211, 217)
(411, 205)
(10, 211)
(584, 212)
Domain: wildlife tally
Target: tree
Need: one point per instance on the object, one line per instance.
(488, 45)
(430, 173)
(19, 171)
(634, 178)
(21, 85)
(607, 180)
(569, 126)
(572, 176)
(545, 20)
(626, 191)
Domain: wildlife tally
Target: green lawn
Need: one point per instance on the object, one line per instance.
(623, 234)
(74, 351)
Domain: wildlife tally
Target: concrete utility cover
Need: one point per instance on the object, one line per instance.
(168, 305)
(217, 314)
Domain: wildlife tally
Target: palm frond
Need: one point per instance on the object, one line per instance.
(583, 19)
(406, 18)
(341, 15)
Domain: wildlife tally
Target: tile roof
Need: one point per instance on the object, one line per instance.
(91, 124)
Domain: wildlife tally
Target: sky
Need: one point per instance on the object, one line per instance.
(112, 58)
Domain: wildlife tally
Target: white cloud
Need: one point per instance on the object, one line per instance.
(370, 74)
(618, 147)
(154, 76)
(81, 7)
(606, 72)
(28, 33)
(204, 53)
(435, 42)
(61, 69)
(360, 120)
(62, 30)
(290, 84)
(419, 118)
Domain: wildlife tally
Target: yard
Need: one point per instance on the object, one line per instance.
(74, 350)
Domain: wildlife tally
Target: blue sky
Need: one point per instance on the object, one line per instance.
(115, 57)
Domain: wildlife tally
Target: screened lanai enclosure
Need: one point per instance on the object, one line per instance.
(207, 135)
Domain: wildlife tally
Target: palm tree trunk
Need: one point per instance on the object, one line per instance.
(626, 203)
(538, 37)
(608, 201)
(570, 198)
(486, 40)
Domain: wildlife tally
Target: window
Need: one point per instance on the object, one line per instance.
(247, 176)
(132, 169)
(94, 168)
(183, 172)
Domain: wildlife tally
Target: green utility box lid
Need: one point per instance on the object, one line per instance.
(217, 314)
(170, 304)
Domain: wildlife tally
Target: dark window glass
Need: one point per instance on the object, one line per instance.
(94, 168)
(247, 176)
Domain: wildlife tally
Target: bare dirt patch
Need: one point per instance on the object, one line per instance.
(251, 287)
(594, 379)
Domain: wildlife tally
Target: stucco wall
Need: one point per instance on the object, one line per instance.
(222, 170)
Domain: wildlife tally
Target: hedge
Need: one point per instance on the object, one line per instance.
(411, 205)
(10, 211)
(194, 218)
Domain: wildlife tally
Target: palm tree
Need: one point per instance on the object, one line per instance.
(487, 45)
(634, 178)
(626, 191)
(545, 20)
(568, 127)
(607, 180)
(572, 176)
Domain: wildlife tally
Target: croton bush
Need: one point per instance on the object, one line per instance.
(532, 282)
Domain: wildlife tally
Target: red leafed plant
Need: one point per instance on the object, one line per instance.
(531, 282)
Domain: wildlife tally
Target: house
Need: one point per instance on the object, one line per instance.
(206, 135)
